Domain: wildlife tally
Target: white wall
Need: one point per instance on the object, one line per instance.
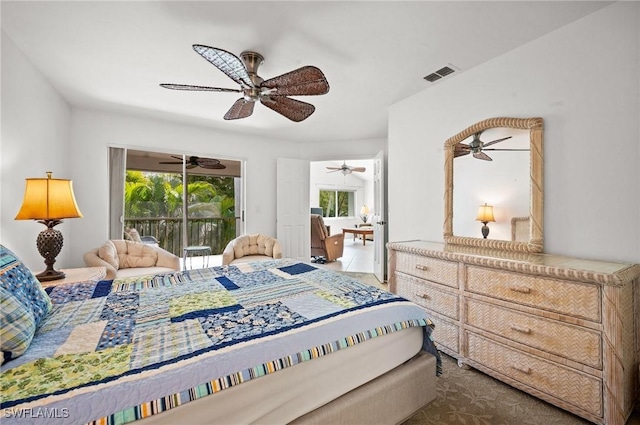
(35, 139)
(583, 80)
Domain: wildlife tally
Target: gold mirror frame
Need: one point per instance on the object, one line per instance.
(535, 127)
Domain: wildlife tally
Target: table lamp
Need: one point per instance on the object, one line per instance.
(485, 215)
(364, 213)
(48, 201)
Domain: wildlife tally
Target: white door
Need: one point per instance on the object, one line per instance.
(292, 211)
(379, 218)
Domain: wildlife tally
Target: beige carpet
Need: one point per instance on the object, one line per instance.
(469, 397)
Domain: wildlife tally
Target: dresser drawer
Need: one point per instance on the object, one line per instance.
(428, 295)
(573, 299)
(446, 334)
(566, 384)
(572, 342)
(440, 271)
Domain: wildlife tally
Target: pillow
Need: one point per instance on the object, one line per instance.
(18, 280)
(17, 326)
(137, 255)
(109, 253)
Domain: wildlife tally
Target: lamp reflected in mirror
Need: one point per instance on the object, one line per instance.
(485, 215)
(48, 201)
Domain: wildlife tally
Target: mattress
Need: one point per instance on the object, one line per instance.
(118, 351)
(284, 396)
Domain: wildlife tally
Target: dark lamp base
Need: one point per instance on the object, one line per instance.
(48, 275)
(485, 230)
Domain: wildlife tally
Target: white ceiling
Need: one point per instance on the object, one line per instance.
(112, 55)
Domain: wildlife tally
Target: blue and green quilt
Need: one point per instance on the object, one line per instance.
(172, 338)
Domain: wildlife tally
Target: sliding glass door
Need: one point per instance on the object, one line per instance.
(181, 200)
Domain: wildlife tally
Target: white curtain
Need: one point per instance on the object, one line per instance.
(117, 169)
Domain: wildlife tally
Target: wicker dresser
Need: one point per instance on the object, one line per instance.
(562, 329)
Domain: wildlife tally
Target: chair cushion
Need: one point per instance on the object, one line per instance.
(109, 253)
(256, 244)
(135, 255)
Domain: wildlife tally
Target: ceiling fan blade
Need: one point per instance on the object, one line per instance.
(460, 149)
(226, 62)
(305, 81)
(210, 163)
(358, 169)
(494, 149)
(334, 168)
(169, 162)
(293, 109)
(198, 88)
(190, 166)
(482, 155)
(241, 109)
(493, 142)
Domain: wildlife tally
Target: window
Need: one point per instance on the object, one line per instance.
(338, 203)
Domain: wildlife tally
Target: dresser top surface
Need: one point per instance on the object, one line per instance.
(542, 264)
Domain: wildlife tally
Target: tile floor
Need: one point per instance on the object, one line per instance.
(355, 258)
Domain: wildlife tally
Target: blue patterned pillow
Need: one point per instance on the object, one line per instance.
(18, 280)
(17, 326)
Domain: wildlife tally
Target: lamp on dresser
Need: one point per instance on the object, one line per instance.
(485, 215)
(48, 201)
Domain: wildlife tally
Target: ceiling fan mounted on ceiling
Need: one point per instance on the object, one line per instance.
(196, 161)
(272, 93)
(346, 169)
(477, 148)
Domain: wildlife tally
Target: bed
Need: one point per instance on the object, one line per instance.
(276, 341)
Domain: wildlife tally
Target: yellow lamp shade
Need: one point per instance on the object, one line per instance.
(48, 199)
(485, 213)
(364, 210)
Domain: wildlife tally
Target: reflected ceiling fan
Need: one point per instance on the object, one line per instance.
(477, 148)
(272, 93)
(196, 161)
(346, 169)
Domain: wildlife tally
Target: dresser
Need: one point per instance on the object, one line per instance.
(559, 328)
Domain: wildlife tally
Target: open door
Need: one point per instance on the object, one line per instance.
(379, 218)
(292, 211)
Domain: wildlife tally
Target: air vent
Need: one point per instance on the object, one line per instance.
(442, 72)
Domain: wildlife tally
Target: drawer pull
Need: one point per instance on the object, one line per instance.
(421, 267)
(521, 289)
(521, 329)
(525, 370)
(423, 296)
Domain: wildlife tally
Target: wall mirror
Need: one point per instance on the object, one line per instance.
(497, 162)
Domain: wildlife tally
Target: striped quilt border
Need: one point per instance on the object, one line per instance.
(163, 404)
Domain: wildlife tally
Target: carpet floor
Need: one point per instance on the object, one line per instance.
(469, 397)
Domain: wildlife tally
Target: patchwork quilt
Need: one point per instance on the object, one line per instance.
(116, 351)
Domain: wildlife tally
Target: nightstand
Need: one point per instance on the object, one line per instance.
(80, 274)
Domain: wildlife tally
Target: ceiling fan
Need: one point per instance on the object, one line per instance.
(477, 148)
(196, 161)
(272, 93)
(346, 169)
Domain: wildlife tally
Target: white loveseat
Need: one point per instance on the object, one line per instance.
(123, 258)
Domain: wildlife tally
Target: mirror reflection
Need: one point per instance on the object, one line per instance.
(491, 168)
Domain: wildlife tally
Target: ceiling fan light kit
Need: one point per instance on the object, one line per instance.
(272, 93)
